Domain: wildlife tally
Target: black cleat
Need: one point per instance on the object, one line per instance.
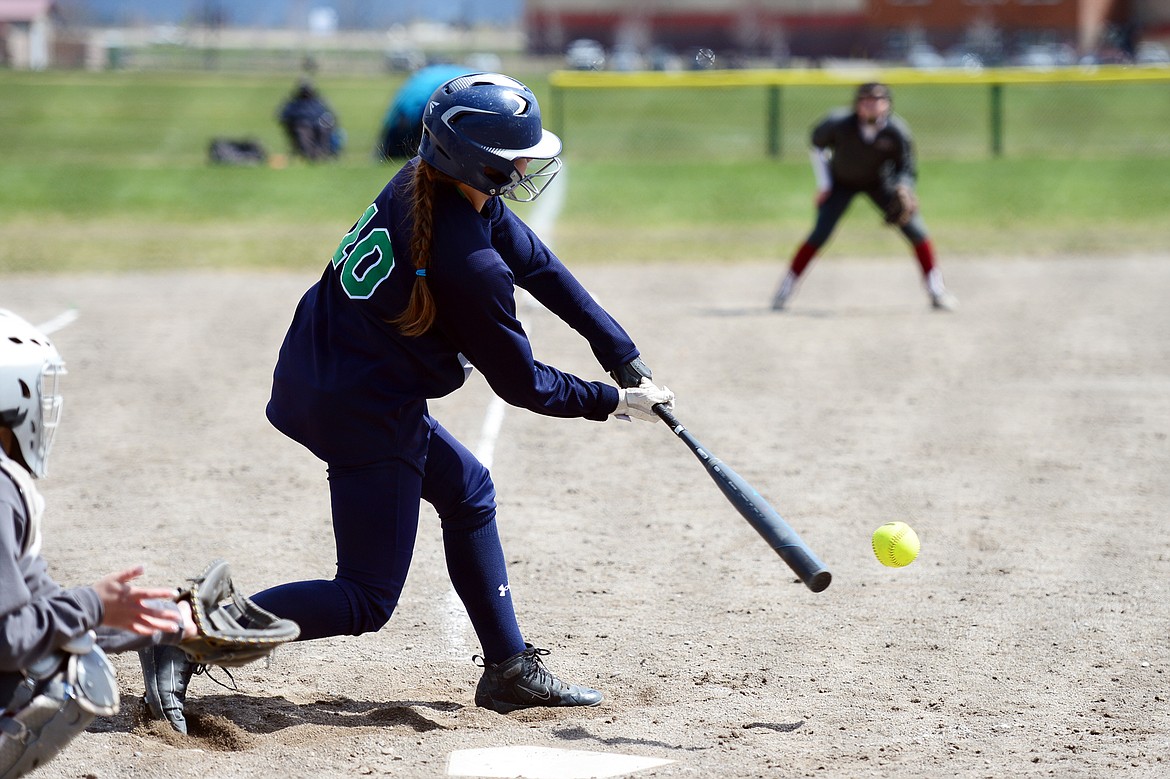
(522, 681)
(166, 671)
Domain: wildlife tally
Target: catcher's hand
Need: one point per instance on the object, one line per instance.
(903, 205)
(231, 630)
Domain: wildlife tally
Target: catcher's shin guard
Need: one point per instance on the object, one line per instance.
(166, 671)
(59, 697)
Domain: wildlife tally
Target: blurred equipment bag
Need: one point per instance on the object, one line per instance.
(236, 151)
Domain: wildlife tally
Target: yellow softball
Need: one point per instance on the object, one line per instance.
(895, 544)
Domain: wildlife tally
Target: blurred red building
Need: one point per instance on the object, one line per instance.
(26, 30)
(844, 28)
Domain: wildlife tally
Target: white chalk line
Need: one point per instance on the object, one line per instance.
(532, 762)
(455, 626)
(62, 320)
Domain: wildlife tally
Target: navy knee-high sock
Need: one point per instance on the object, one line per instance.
(475, 563)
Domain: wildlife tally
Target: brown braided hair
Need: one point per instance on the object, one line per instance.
(420, 311)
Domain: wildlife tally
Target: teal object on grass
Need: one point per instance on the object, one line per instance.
(402, 126)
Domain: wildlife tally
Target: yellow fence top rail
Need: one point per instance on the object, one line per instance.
(855, 75)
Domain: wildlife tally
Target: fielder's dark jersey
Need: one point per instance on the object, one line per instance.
(353, 390)
(886, 161)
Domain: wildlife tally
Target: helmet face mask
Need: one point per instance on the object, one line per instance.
(30, 396)
(526, 187)
(475, 129)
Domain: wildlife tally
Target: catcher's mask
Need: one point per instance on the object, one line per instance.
(476, 126)
(30, 399)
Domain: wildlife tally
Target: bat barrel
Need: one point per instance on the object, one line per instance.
(757, 511)
(805, 564)
(771, 526)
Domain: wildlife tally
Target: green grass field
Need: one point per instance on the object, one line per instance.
(109, 171)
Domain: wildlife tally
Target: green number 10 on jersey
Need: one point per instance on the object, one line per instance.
(366, 262)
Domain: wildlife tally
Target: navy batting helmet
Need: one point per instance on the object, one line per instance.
(476, 126)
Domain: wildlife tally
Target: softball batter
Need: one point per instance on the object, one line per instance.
(422, 286)
(866, 150)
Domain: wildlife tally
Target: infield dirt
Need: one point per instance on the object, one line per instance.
(1024, 437)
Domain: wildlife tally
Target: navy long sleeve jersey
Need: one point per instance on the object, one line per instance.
(887, 160)
(352, 389)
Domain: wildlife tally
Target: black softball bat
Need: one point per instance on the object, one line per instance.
(757, 511)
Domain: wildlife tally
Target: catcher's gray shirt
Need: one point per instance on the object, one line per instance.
(37, 615)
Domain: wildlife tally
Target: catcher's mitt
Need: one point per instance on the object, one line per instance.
(231, 629)
(902, 205)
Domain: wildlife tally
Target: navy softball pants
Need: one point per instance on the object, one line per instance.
(835, 205)
(375, 510)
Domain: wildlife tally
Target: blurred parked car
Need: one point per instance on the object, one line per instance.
(1035, 57)
(1043, 56)
(1150, 53)
(662, 58)
(585, 54)
(626, 58)
(485, 61)
(963, 57)
(1110, 55)
(924, 57)
(404, 60)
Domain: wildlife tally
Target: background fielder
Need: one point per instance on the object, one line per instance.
(866, 150)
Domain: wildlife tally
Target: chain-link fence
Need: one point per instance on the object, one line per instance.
(1109, 112)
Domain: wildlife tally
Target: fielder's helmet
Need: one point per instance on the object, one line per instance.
(476, 126)
(30, 403)
(875, 90)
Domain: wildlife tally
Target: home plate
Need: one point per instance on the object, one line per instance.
(545, 763)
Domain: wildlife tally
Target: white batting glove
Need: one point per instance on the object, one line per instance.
(638, 402)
